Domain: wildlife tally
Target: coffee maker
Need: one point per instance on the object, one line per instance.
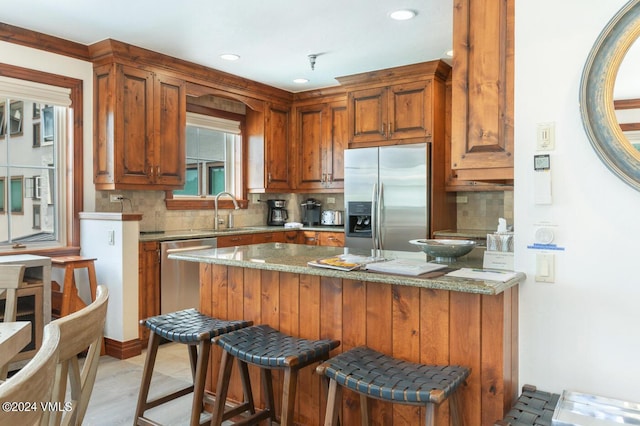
(311, 212)
(277, 215)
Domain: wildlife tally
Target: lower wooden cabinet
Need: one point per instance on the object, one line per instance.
(235, 240)
(321, 238)
(148, 284)
(333, 239)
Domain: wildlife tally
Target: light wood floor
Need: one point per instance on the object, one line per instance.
(115, 393)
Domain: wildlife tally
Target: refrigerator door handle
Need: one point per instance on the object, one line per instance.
(378, 222)
(374, 217)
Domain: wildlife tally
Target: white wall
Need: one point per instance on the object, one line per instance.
(582, 332)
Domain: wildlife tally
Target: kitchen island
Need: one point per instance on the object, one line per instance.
(431, 319)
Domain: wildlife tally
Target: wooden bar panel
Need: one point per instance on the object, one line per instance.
(419, 325)
(308, 395)
(406, 342)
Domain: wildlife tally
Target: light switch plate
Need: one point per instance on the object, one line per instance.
(545, 268)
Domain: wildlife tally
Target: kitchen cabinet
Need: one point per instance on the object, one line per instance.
(321, 138)
(333, 239)
(268, 237)
(139, 125)
(148, 285)
(391, 114)
(321, 238)
(482, 138)
(268, 149)
(235, 240)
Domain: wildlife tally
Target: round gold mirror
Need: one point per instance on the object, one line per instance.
(596, 94)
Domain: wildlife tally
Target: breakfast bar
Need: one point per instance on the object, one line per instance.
(431, 319)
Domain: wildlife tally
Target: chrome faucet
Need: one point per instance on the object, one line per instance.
(215, 205)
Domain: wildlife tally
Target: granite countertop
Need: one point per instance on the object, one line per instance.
(293, 258)
(209, 233)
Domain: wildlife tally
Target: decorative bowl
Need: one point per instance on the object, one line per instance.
(445, 251)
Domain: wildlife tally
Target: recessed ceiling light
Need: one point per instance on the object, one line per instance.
(230, 57)
(301, 80)
(402, 15)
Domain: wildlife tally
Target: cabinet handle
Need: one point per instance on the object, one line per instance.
(151, 171)
(158, 171)
(322, 179)
(390, 126)
(382, 129)
(269, 177)
(329, 177)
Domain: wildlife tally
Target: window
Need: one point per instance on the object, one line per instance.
(211, 151)
(30, 162)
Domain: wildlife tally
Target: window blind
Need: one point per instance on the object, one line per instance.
(213, 123)
(37, 92)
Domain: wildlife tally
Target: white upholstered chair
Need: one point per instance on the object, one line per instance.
(10, 279)
(79, 331)
(32, 384)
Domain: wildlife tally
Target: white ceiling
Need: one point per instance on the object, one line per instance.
(273, 38)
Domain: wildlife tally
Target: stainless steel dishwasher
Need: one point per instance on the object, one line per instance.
(179, 279)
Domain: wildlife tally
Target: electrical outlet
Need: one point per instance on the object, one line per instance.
(115, 198)
(331, 200)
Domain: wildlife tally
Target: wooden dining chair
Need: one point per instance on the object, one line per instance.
(79, 332)
(21, 396)
(10, 279)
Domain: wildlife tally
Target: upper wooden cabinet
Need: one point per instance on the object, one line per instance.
(139, 125)
(320, 141)
(482, 139)
(392, 113)
(268, 149)
(396, 105)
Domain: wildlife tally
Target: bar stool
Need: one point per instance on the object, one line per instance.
(533, 407)
(267, 349)
(67, 301)
(375, 375)
(196, 331)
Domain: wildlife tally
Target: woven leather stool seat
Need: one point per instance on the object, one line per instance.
(262, 345)
(190, 326)
(533, 408)
(268, 349)
(375, 375)
(195, 330)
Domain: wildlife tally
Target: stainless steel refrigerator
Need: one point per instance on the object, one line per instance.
(386, 196)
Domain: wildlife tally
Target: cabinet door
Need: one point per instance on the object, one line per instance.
(290, 237)
(132, 142)
(482, 90)
(368, 115)
(277, 147)
(410, 111)
(311, 173)
(336, 143)
(170, 109)
(235, 240)
(333, 239)
(148, 284)
(309, 238)
(268, 237)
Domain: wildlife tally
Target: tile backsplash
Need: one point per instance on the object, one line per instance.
(476, 210)
(156, 217)
(481, 210)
